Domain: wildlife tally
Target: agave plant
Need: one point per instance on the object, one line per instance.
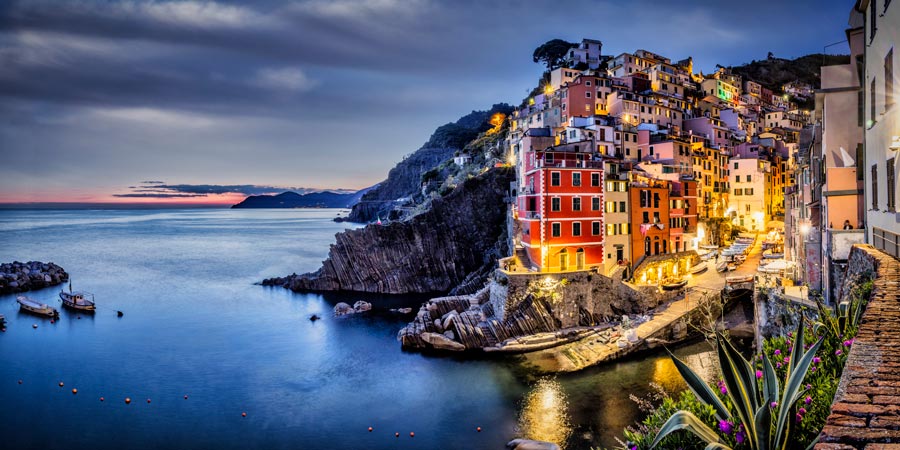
(765, 407)
(845, 320)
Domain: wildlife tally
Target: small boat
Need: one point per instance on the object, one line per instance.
(81, 301)
(739, 279)
(674, 285)
(722, 266)
(709, 247)
(772, 255)
(699, 269)
(708, 256)
(36, 307)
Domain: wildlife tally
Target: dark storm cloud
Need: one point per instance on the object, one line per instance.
(326, 93)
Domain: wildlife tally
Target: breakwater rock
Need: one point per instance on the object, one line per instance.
(20, 277)
(462, 233)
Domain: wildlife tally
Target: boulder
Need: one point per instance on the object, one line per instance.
(342, 309)
(361, 306)
(441, 342)
(527, 444)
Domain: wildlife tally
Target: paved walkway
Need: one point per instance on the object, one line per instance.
(590, 351)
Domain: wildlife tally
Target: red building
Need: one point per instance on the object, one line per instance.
(649, 201)
(560, 207)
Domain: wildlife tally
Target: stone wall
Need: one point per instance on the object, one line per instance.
(866, 409)
(576, 298)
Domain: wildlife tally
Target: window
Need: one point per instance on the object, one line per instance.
(735, 166)
(556, 229)
(875, 187)
(595, 179)
(737, 179)
(749, 178)
(646, 217)
(622, 206)
(576, 178)
(872, 14)
(587, 83)
(554, 178)
(595, 204)
(889, 80)
(576, 203)
(872, 101)
(656, 199)
(891, 186)
(576, 228)
(738, 192)
(554, 204)
(549, 158)
(587, 94)
(748, 191)
(595, 228)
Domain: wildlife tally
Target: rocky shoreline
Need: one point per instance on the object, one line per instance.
(21, 277)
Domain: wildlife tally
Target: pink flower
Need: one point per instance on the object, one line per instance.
(777, 352)
(773, 404)
(739, 437)
(777, 365)
(799, 417)
(817, 360)
(758, 374)
(848, 342)
(787, 359)
(808, 386)
(808, 399)
(801, 411)
(838, 352)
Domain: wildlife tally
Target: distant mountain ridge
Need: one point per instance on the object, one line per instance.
(324, 199)
(773, 72)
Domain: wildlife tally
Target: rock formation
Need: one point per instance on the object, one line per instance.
(462, 233)
(20, 277)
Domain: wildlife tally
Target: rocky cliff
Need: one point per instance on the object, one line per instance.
(463, 232)
(403, 186)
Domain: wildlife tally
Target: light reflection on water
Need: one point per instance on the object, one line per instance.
(544, 415)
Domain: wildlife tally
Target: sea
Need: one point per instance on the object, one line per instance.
(212, 360)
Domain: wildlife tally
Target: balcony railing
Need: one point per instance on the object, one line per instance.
(570, 164)
(886, 241)
(530, 215)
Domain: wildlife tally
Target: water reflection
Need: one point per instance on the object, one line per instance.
(544, 415)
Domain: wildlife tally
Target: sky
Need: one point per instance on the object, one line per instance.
(210, 101)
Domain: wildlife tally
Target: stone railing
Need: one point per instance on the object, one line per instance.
(865, 414)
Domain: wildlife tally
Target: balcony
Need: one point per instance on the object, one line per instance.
(886, 241)
(570, 164)
(531, 215)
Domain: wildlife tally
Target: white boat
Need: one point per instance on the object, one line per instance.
(82, 301)
(722, 266)
(36, 307)
(772, 255)
(739, 279)
(709, 247)
(708, 256)
(699, 269)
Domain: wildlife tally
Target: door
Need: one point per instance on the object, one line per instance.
(579, 259)
(620, 254)
(563, 261)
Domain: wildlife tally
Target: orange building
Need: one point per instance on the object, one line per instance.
(560, 208)
(649, 200)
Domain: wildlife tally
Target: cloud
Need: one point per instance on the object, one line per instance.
(159, 189)
(287, 78)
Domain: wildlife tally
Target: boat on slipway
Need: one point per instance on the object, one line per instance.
(35, 307)
(673, 285)
(81, 301)
(699, 269)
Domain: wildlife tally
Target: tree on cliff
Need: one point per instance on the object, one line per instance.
(552, 52)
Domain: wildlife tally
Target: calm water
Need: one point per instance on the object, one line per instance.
(196, 325)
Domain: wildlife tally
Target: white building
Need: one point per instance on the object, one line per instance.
(882, 124)
(747, 200)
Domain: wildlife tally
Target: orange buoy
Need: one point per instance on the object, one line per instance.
(478, 429)
(148, 400)
(61, 384)
(101, 399)
(396, 434)
(370, 429)
(74, 391)
(243, 414)
(127, 401)
(411, 434)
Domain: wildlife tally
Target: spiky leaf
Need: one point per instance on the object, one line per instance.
(684, 420)
(700, 389)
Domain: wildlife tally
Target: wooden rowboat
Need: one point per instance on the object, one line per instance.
(699, 269)
(36, 307)
(739, 279)
(722, 266)
(674, 285)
